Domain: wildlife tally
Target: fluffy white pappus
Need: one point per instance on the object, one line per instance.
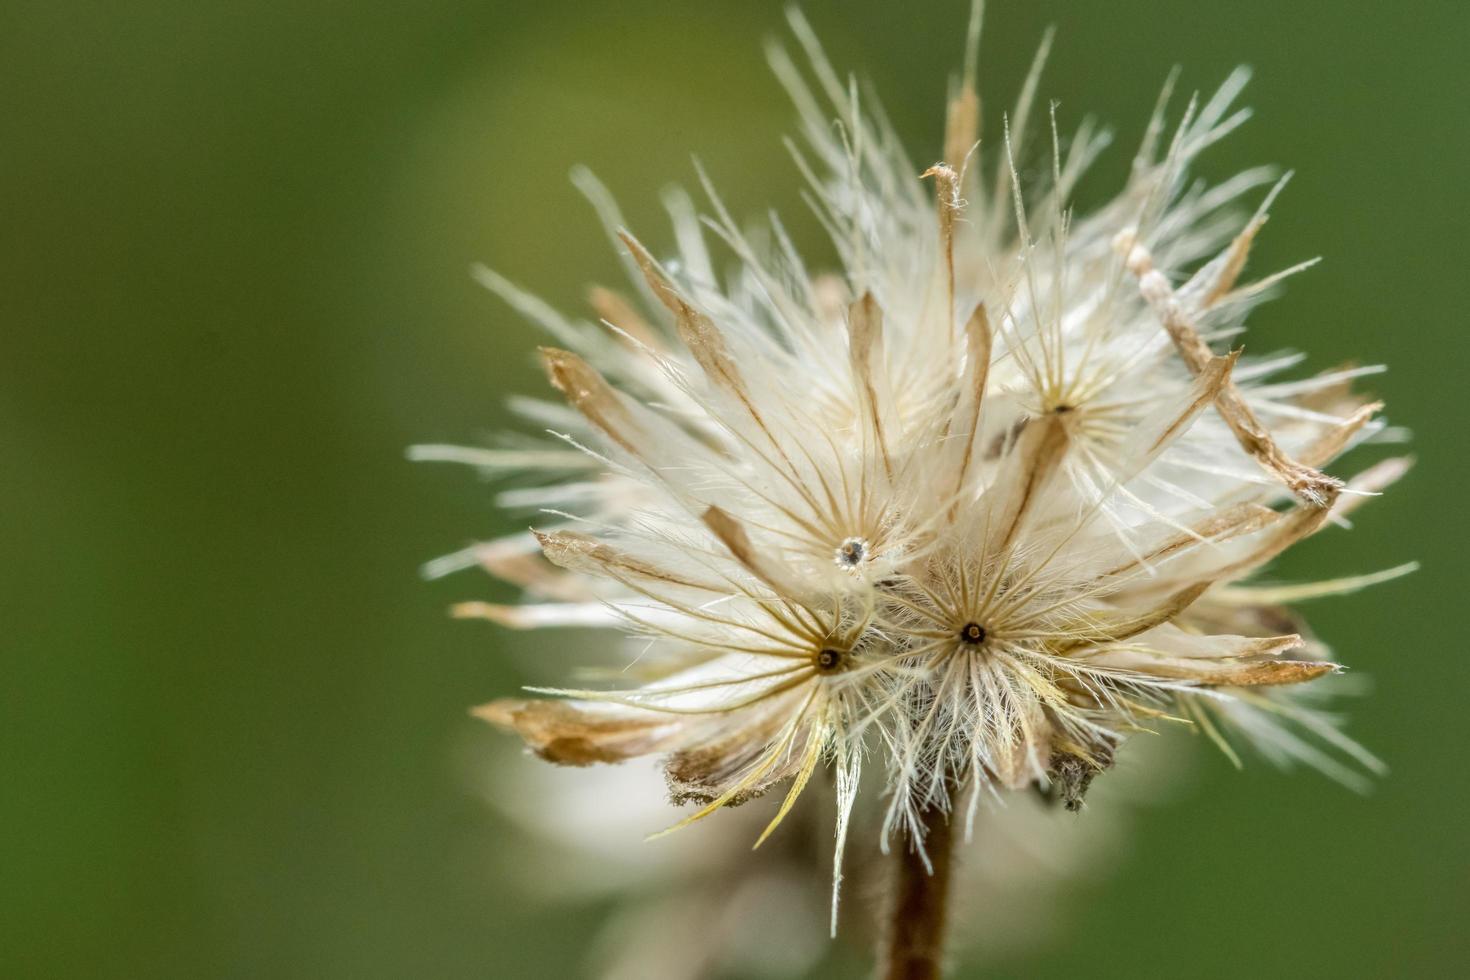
(970, 510)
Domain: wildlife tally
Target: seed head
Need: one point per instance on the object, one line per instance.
(975, 508)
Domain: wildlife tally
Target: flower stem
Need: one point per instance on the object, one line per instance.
(914, 945)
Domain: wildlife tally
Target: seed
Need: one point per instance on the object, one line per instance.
(972, 633)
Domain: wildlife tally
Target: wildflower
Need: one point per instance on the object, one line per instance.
(977, 506)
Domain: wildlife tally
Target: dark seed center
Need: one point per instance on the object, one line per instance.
(829, 659)
(972, 633)
(852, 551)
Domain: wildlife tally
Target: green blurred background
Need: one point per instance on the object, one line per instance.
(235, 251)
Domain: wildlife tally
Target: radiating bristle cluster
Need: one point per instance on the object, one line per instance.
(975, 508)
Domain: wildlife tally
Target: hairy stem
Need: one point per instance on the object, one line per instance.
(914, 943)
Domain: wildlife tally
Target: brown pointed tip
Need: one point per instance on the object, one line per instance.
(570, 736)
(554, 361)
(1272, 673)
(657, 280)
(500, 712)
(730, 531)
(641, 255)
(614, 309)
(961, 125)
(553, 545)
(864, 327)
(979, 319)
